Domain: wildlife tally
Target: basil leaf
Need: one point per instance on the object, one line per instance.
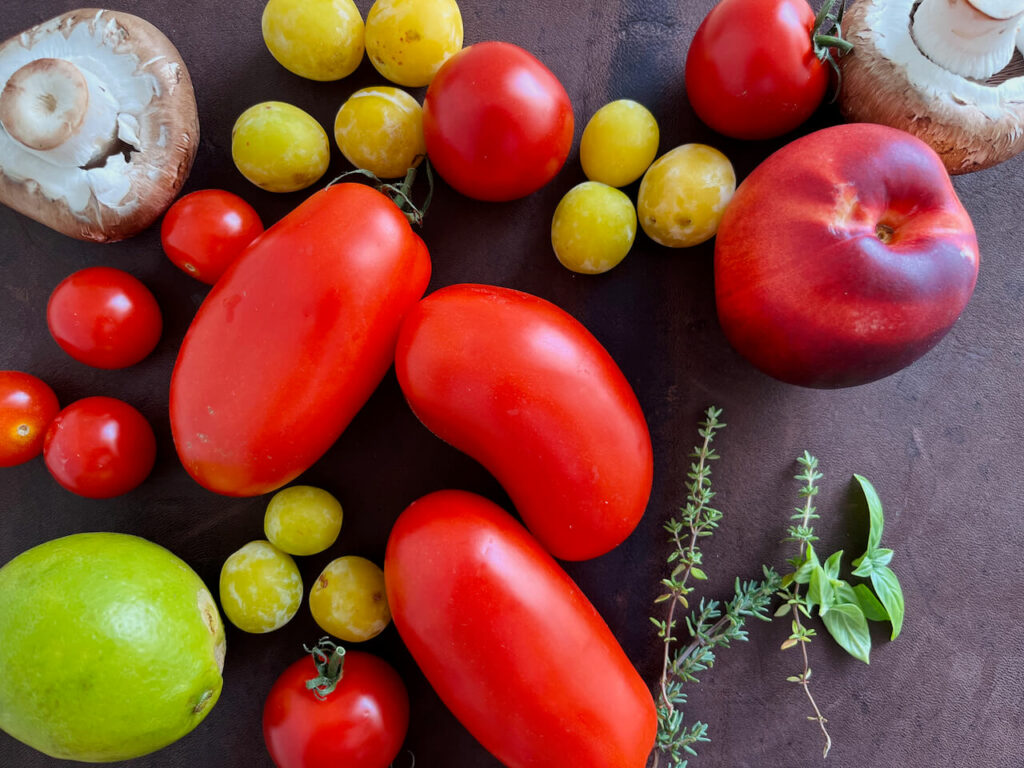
(873, 610)
(889, 592)
(874, 512)
(843, 592)
(846, 623)
(803, 573)
(832, 565)
(871, 561)
(819, 591)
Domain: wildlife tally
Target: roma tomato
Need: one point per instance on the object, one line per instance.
(493, 621)
(99, 447)
(526, 390)
(204, 231)
(753, 71)
(355, 717)
(291, 342)
(27, 406)
(498, 124)
(843, 257)
(104, 317)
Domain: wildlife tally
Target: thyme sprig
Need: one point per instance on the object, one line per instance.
(710, 625)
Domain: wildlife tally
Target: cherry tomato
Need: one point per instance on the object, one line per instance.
(204, 231)
(99, 447)
(291, 342)
(523, 388)
(104, 317)
(27, 406)
(497, 123)
(492, 620)
(360, 723)
(752, 71)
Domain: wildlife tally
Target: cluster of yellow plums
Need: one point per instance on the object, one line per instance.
(260, 586)
(281, 148)
(681, 198)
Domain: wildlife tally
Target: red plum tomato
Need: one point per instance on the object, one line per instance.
(492, 620)
(99, 447)
(27, 406)
(104, 317)
(204, 231)
(752, 71)
(361, 723)
(498, 124)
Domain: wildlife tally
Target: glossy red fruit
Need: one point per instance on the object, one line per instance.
(522, 387)
(361, 723)
(843, 257)
(104, 317)
(508, 641)
(498, 124)
(27, 406)
(293, 339)
(204, 231)
(99, 447)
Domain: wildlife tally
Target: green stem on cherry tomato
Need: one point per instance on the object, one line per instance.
(329, 659)
(400, 194)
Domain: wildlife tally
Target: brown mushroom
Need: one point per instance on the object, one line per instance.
(98, 124)
(930, 68)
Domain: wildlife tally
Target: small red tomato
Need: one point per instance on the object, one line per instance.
(99, 447)
(497, 123)
(752, 71)
(355, 717)
(104, 317)
(204, 231)
(27, 406)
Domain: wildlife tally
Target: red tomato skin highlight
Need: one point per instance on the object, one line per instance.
(805, 288)
(361, 724)
(751, 70)
(99, 447)
(104, 317)
(522, 387)
(498, 124)
(204, 231)
(509, 642)
(293, 339)
(27, 407)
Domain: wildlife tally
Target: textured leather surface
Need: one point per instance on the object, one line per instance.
(940, 440)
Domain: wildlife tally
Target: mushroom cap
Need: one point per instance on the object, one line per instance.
(886, 79)
(158, 128)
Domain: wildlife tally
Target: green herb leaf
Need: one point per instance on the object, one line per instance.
(847, 625)
(843, 592)
(832, 565)
(874, 511)
(889, 592)
(871, 561)
(873, 610)
(698, 574)
(803, 573)
(819, 591)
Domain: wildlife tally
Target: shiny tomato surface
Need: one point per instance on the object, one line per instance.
(99, 447)
(522, 387)
(104, 317)
(204, 231)
(498, 124)
(292, 340)
(27, 406)
(360, 724)
(509, 642)
(843, 257)
(751, 69)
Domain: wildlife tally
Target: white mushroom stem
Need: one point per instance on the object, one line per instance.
(971, 39)
(59, 113)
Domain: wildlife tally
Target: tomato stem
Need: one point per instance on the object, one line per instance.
(827, 38)
(329, 658)
(400, 194)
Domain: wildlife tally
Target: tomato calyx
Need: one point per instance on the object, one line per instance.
(329, 658)
(827, 38)
(400, 194)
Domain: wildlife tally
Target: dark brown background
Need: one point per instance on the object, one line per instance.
(940, 440)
